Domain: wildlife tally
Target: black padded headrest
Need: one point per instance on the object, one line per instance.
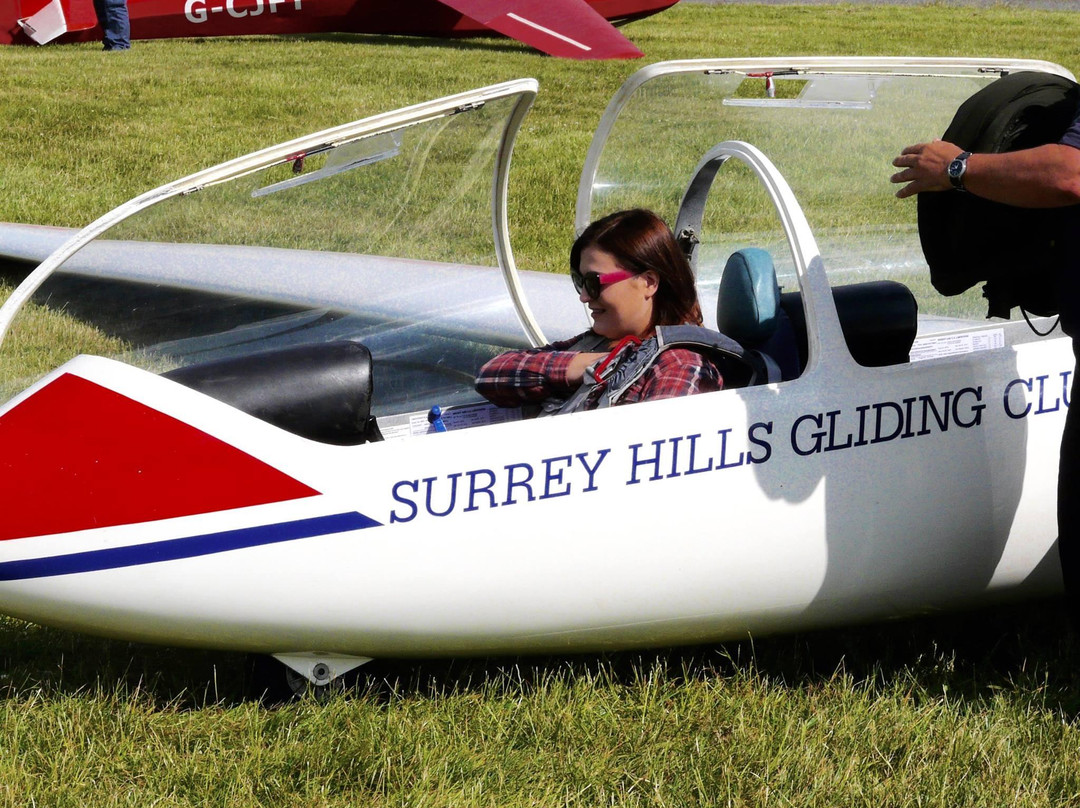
(319, 391)
(879, 320)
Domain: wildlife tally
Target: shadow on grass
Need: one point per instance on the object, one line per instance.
(1029, 650)
(50, 662)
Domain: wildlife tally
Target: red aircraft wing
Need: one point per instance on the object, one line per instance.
(566, 28)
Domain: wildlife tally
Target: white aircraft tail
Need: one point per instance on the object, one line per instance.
(45, 20)
(46, 24)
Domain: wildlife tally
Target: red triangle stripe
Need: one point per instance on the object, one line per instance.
(76, 455)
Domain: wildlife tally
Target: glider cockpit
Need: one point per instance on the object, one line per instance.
(392, 233)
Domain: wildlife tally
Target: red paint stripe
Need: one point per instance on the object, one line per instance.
(77, 455)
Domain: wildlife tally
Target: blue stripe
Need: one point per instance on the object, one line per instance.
(188, 547)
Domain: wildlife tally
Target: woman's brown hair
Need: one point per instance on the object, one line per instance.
(640, 240)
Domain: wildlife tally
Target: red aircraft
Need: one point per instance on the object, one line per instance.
(577, 29)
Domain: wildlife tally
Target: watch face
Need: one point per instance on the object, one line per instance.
(955, 167)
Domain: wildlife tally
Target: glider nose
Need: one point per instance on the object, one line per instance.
(78, 455)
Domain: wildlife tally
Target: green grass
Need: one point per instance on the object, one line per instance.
(42, 341)
(84, 130)
(972, 710)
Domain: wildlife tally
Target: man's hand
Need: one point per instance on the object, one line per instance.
(925, 166)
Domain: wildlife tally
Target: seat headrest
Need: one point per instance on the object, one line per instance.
(749, 297)
(320, 391)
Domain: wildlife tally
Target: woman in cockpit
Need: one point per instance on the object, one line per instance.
(629, 270)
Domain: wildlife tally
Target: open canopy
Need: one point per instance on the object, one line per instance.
(390, 231)
(831, 128)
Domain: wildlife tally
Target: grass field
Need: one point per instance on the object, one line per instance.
(977, 709)
(84, 130)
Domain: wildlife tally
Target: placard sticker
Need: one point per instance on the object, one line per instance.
(935, 347)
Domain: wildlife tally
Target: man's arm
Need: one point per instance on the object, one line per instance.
(1042, 177)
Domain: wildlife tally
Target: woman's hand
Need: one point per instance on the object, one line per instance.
(575, 373)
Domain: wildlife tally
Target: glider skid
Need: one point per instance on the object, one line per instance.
(280, 677)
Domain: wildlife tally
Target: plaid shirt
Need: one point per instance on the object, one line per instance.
(531, 376)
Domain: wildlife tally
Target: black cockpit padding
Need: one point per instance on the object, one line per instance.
(320, 391)
(879, 320)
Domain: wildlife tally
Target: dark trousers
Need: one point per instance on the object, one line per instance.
(1069, 499)
(113, 18)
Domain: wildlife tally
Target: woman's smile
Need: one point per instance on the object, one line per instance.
(624, 307)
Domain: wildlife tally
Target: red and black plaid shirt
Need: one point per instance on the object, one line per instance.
(534, 375)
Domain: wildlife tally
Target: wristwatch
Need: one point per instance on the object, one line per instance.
(956, 170)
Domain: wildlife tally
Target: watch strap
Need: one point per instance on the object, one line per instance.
(957, 169)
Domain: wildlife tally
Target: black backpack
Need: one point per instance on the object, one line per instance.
(1015, 251)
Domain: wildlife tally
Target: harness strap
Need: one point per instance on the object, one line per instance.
(594, 375)
(694, 337)
(628, 362)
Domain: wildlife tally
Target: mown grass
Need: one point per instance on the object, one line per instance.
(44, 341)
(970, 710)
(84, 130)
(976, 709)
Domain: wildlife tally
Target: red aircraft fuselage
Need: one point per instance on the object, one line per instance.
(541, 23)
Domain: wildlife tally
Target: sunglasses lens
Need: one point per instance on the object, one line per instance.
(592, 284)
(588, 283)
